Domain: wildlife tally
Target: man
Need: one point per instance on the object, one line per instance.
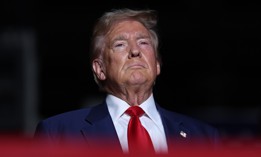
(125, 63)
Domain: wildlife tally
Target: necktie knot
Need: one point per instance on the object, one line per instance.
(135, 111)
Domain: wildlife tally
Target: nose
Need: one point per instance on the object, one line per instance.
(134, 52)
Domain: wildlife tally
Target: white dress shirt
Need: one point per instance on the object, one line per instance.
(151, 120)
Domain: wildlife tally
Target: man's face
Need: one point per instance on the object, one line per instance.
(129, 58)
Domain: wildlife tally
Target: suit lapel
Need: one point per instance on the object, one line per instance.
(174, 128)
(99, 127)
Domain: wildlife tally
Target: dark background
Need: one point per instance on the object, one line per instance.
(210, 51)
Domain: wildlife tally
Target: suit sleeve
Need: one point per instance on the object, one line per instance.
(42, 132)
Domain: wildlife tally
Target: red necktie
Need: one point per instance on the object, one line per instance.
(138, 137)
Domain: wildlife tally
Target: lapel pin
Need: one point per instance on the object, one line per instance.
(183, 134)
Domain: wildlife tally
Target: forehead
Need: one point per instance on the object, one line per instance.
(129, 26)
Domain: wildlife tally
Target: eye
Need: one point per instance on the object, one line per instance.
(144, 42)
(119, 45)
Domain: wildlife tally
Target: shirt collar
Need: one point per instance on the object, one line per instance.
(117, 107)
(150, 109)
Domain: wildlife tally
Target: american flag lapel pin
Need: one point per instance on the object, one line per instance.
(183, 134)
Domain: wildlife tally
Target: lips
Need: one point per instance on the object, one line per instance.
(137, 65)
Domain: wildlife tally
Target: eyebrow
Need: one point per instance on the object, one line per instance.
(119, 37)
(123, 37)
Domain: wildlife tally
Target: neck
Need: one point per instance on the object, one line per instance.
(133, 96)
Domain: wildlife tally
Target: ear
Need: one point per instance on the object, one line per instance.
(158, 68)
(98, 68)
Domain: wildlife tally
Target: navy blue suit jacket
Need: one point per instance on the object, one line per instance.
(94, 125)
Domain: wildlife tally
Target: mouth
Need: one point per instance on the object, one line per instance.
(136, 66)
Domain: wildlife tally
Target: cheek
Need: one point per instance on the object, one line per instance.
(115, 63)
(154, 64)
(151, 58)
(115, 60)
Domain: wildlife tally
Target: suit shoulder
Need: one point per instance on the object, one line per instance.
(65, 121)
(182, 117)
(74, 114)
(195, 127)
(190, 122)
